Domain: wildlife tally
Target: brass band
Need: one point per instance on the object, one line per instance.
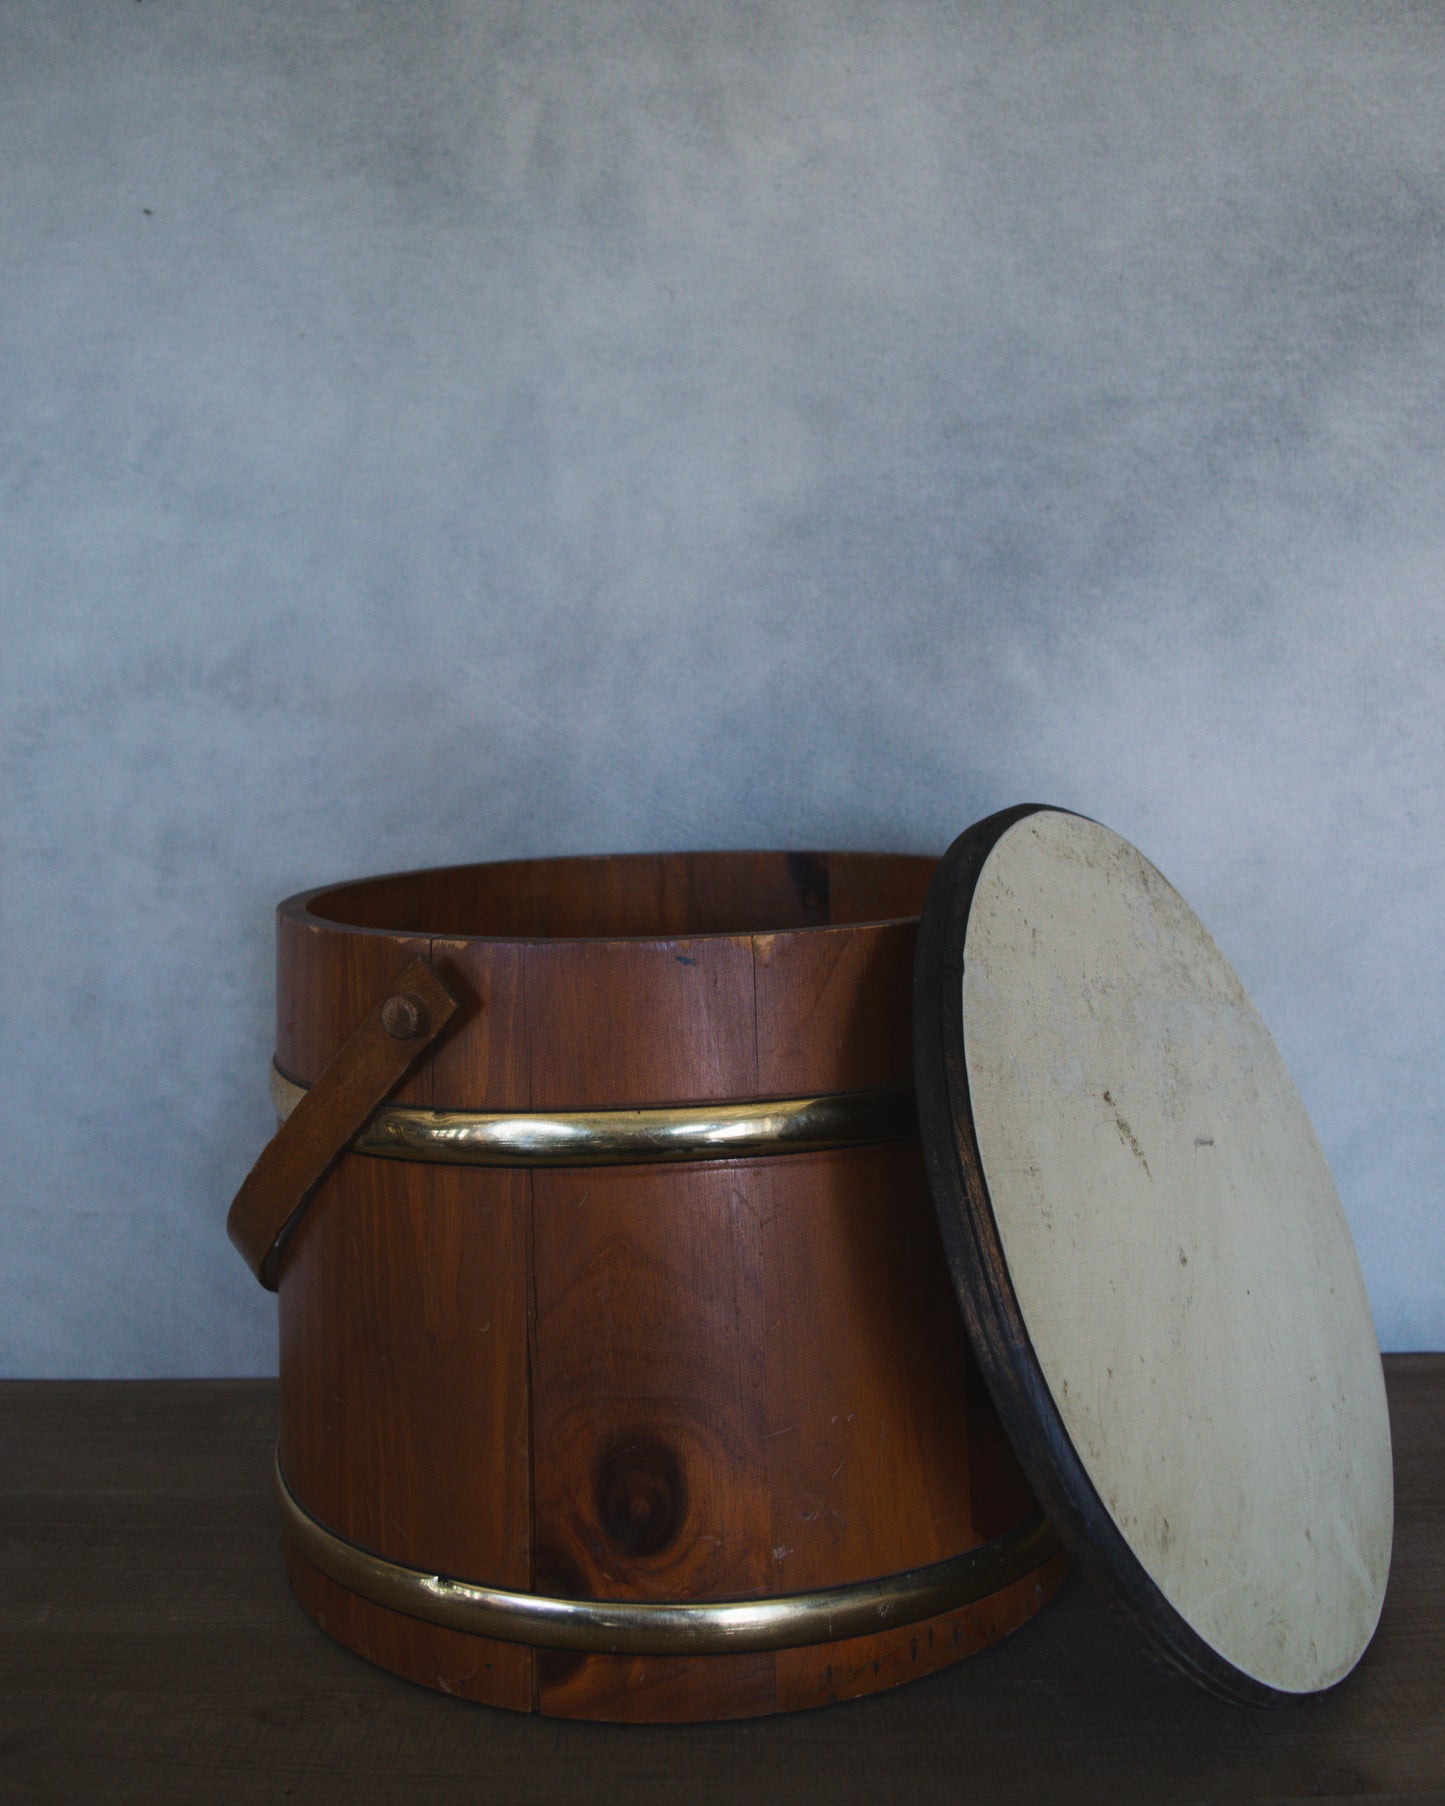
(655, 1627)
(789, 1125)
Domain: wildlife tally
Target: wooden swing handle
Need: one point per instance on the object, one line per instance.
(367, 1067)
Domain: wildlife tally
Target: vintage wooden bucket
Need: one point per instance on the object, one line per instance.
(623, 1369)
(621, 1373)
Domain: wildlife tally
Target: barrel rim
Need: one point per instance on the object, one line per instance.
(298, 907)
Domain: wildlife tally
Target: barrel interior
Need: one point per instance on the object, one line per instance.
(635, 896)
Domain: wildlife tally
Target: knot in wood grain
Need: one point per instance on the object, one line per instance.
(641, 1497)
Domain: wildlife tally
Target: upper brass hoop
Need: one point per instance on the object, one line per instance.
(787, 1125)
(657, 1627)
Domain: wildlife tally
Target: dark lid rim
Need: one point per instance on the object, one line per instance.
(990, 1305)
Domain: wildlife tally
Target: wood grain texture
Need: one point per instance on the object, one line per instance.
(405, 1419)
(150, 1650)
(828, 1016)
(869, 1461)
(637, 894)
(860, 1665)
(647, 1421)
(689, 1381)
(467, 1667)
(866, 1445)
(482, 1062)
(612, 1023)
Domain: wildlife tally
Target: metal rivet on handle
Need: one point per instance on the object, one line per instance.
(403, 1016)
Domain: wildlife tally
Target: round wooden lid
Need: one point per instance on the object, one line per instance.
(1151, 1257)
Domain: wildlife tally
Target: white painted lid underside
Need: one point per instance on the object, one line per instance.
(1180, 1257)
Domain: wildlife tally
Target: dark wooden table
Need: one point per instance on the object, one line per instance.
(149, 1650)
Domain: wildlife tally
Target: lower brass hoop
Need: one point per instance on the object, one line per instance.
(712, 1131)
(655, 1627)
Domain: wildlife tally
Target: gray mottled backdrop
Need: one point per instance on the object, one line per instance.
(461, 429)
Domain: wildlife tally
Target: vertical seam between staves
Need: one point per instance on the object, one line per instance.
(529, 1324)
(757, 1058)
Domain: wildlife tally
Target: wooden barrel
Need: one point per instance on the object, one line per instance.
(734, 1376)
